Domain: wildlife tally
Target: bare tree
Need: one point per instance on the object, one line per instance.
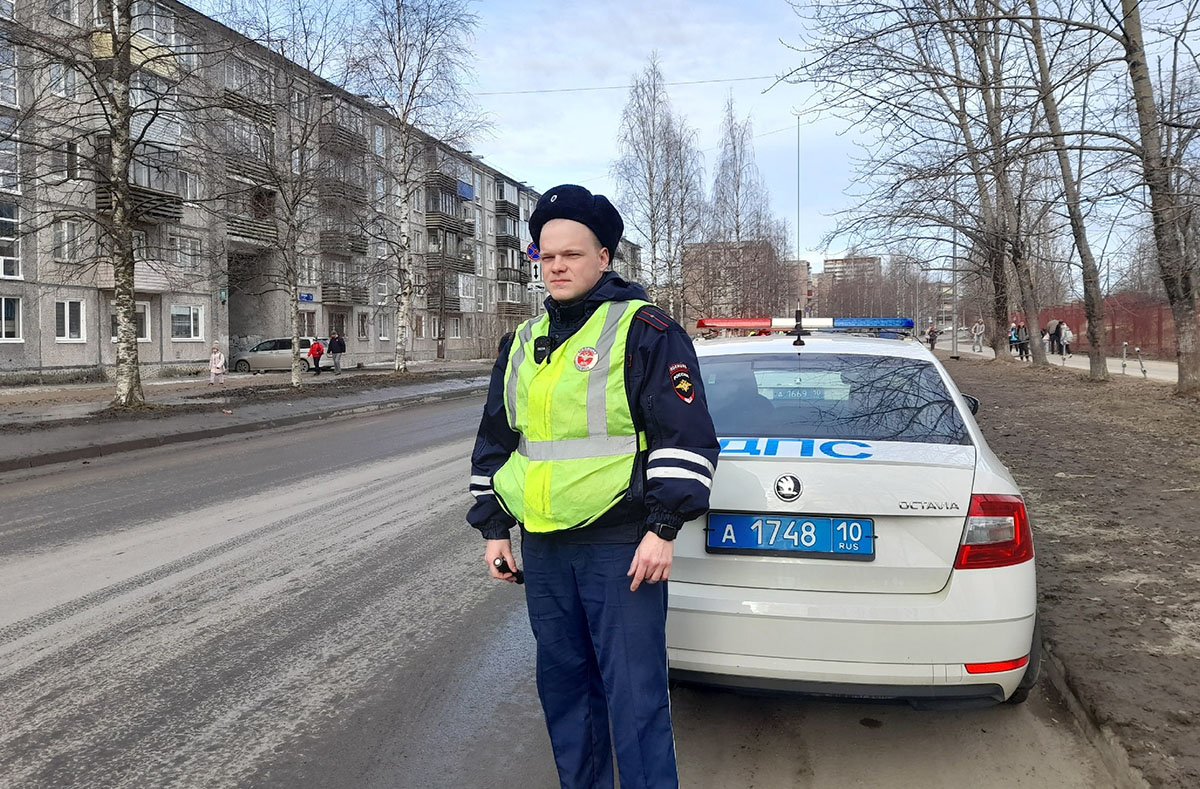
(413, 57)
(291, 192)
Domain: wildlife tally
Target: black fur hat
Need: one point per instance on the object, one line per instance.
(574, 202)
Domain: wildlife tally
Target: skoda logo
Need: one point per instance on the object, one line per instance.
(788, 487)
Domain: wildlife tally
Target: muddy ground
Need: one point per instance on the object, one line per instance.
(1111, 474)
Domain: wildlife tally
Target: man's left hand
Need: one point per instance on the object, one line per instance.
(652, 562)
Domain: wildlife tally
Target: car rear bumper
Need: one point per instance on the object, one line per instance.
(866, 645)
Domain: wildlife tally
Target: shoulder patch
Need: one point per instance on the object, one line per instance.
(655, 317)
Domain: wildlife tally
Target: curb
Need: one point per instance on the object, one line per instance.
(103, 450)
(1102, 737)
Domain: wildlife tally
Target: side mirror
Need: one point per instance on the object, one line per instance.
(972, 403)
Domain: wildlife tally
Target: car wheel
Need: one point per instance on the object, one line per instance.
(242, 366)
(1033, 669)
(304, 365)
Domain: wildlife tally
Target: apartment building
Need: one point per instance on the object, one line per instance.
(255, 185)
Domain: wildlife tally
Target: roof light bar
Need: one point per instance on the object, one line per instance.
(785, 324)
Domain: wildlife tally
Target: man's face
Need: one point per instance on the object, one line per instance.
(572, 259)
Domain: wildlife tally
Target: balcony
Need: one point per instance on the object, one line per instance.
(251, 232)
(444, 303)
(247, 168)
(147, 277)
(147, 205)
(507, 274)
(339, 190)
(258, 109)
(333, 134)
(143, 52)
(460, 263)
(437, 178)
(505, 207)
(343, 242)
(337, 293)
(508, 309)
(439, 220)
(506, 240)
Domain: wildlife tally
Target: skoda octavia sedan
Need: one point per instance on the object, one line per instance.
(863, 539)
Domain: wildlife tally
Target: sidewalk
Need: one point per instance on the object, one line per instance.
(1155, 370)
(55, 424)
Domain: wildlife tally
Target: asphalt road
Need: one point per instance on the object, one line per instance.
(307, 608)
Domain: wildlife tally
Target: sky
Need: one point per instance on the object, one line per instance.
(549, 138)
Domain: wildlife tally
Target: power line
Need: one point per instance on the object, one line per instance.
(621, 87)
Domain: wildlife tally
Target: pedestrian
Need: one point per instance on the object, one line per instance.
(1067, 337)
(1045, 340)
(1022, 341)
(315, 352)
(337, 346)
(599, 486)
(1012, 338)
(1055, 327)
(931, 335)
(216, 366)
(977, 336)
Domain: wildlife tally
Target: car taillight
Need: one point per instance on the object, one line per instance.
(991, 668)
(997, 533)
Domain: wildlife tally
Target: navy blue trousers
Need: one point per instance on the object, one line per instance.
(601, 658)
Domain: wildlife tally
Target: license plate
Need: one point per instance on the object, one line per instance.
(819, 537)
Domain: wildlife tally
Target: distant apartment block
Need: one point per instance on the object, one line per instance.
(250, 173)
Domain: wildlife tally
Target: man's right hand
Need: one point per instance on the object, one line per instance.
(503, 550)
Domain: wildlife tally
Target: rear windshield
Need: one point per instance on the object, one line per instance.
(822, 395)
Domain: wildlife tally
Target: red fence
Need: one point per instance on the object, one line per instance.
(1128, 317)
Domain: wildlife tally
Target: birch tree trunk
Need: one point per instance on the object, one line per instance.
(1166, 214)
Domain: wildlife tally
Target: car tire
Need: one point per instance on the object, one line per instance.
(242, 366)
(1033, 669)
(304, 365)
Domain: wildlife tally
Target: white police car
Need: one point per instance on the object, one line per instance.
(863, 540)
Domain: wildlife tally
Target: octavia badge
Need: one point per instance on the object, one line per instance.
(788, 487)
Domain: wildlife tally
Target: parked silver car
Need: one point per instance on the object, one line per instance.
(273, 354)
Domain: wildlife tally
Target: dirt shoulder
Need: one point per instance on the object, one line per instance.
(1111, 474)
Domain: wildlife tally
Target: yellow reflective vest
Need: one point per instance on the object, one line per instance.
(578, 442)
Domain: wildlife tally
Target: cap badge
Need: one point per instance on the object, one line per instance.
(553, 198)
(586, 359)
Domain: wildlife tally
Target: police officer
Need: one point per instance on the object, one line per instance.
(596, 440)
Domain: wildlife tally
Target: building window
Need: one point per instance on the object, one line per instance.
(189, 185)
(183, 252)
(8, 73)
(141, 309)
(10, 242)
(381, 294)
(337, 323)
(380, 141)
(68, 321)
(491, 225)
(384, 319)
(10, 319)
(478, 187)
(455, 328)
(364, 325)
(308, 323)
(308, 270)
(62, 80)
(140, 244)
(418, 326)
(9, 169)
(154, 22)
(64, 161)
(380, 185)
(187, 322)
(66, 241)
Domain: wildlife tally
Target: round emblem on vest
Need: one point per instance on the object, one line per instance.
(586, 359)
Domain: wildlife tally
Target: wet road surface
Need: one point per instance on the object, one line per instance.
(307, 608)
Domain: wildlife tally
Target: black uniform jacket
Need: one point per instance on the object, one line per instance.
(671, 480)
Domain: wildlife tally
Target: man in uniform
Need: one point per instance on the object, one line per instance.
(596, 440)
